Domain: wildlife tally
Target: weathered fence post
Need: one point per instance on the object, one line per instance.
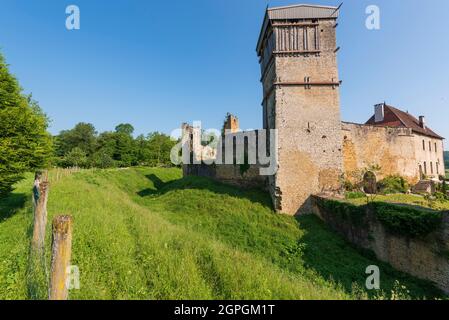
(40, 194)
(60, 259)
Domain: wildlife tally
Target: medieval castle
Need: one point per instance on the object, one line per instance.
(315, 150)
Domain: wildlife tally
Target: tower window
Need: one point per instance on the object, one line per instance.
(423, 145)
(436, 149)
(430, 146)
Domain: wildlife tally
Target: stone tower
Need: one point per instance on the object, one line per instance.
(231, 124)
(298, 56)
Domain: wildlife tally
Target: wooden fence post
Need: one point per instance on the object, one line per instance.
(60, 259)
(40, 215)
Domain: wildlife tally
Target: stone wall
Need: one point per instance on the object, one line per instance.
(426, 258)
(393, 149)
(229, 174)
(398, 151)
(229, 166)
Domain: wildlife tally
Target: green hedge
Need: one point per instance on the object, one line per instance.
(345, 211)
(399, 220)
(407, 221)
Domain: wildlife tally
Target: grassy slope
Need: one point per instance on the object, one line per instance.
(147, 234)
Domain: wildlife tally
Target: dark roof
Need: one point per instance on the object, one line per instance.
(396, 118)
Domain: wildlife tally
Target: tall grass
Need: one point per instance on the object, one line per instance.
(149, 234)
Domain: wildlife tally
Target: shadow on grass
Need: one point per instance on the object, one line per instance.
(11, 204)
(202, 183)
(330, 256)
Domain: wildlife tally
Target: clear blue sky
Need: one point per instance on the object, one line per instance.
(156, 64)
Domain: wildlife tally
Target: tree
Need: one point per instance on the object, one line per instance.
(83, 136)
(158, 149)
(102, 160)
(25, 144)
(76, 158)
(124, 153)
(125, 128)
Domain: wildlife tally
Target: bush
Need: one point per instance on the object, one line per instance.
(349, 186)
(440, 196)
(75, 158)
(102, 160)
(407, 221)
(399, 220)
(393, 184)
(443, 188)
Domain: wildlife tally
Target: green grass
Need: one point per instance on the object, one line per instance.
(149, 234)
(406, 199)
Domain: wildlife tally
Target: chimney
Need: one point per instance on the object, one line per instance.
(422, 122)
(379, 112)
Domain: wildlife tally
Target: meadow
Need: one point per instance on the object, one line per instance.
(148, 233)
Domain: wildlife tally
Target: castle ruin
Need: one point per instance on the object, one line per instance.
(314, 150)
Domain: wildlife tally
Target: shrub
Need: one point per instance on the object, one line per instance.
(407, 221)
(440, 196)
(349, 186)
(102, 160)
(399, 220)
(345, 211)
(444, 188)
(75, 158)
(393, 184)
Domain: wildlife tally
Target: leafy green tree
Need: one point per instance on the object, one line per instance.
(25, 144)
(141, 150)
(125, 128)
(125, 151)
(158, 149)
(106, 143)
(76, 158)
(83, 136)
(102, 160)
(112, 149)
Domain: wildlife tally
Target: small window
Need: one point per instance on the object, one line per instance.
(423, 145)
(438, 167)
(436, 149)
(430, 146)
(431, 167)
(425, 167)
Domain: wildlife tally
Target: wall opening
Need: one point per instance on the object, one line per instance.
(369, 183)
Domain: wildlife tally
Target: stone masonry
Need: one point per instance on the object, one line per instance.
(314, 149)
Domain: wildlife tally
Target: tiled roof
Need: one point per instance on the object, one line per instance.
(396, 118)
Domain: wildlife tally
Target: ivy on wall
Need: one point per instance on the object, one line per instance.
(399, 220)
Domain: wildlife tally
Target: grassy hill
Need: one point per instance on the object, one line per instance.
(148, 234)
